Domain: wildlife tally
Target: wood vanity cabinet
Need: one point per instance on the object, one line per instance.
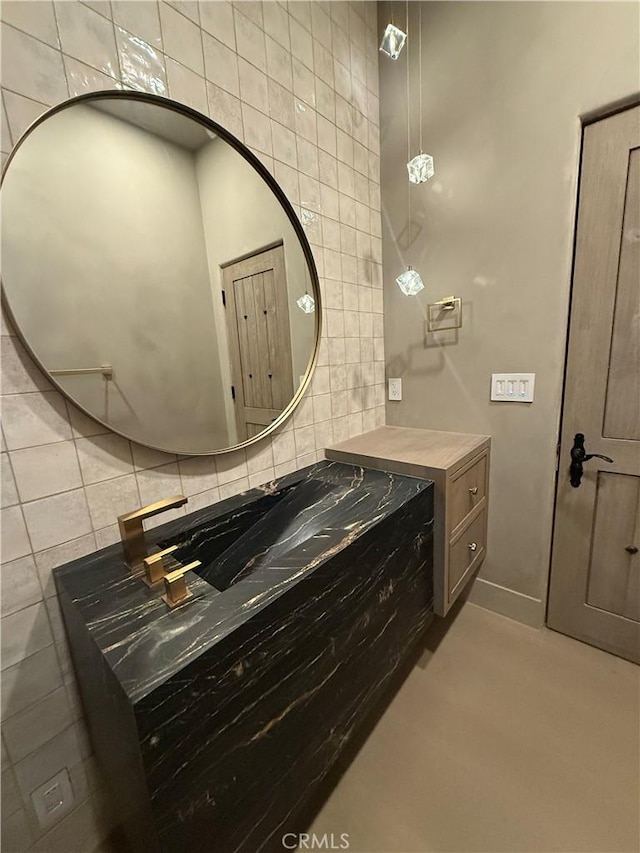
(458, 464)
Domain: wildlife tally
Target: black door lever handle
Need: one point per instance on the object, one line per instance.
(580, 455)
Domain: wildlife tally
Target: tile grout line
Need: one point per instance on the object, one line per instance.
(16, 29)
(120, 78)
(10, 132)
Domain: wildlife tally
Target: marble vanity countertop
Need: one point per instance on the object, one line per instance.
(264, 542)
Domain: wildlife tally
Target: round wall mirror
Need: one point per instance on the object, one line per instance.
(156, 272)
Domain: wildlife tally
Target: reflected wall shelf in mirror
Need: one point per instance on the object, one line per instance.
(152, 267)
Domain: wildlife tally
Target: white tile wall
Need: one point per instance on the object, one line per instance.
(298, 82)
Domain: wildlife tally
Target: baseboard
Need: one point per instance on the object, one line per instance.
(508, 602)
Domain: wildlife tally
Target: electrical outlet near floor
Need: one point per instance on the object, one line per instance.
(53, 799)
(395, 389)
(512, 387)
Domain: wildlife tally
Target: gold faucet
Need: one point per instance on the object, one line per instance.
(132, 531)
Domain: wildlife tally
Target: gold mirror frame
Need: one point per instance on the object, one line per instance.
(267, 177)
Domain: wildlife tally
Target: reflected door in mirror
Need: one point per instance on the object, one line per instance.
(258, 330)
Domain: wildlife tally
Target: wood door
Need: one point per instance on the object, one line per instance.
(257, 313)
(594, 591)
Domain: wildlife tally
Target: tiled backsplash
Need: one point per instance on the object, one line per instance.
(298, 82)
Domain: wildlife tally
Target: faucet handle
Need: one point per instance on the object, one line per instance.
(175, 585)
(132, 531)
(154, 566)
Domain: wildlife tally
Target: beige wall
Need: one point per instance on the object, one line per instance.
(298, 83)
(241, 216)
(504, 85)
(136, 280)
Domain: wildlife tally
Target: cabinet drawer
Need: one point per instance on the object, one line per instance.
(466, 553)
(466, 492)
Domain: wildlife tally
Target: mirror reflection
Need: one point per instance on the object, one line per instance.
(155, 275)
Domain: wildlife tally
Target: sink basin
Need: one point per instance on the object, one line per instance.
(286, 527)
(219, 724)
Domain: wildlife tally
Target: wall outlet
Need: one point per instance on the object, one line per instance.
(395, 389)
(54, 799)
(513, 387)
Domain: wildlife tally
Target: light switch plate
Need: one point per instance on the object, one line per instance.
(395, 389)
(513, 387)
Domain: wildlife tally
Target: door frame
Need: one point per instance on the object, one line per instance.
(586, 119)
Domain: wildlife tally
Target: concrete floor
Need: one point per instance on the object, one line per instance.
(503, 738)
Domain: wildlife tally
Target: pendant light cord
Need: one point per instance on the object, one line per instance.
(408, 90)
(408, 125)
(420, 67)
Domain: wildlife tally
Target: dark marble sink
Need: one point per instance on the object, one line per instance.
(287, 528)
(217, 722)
